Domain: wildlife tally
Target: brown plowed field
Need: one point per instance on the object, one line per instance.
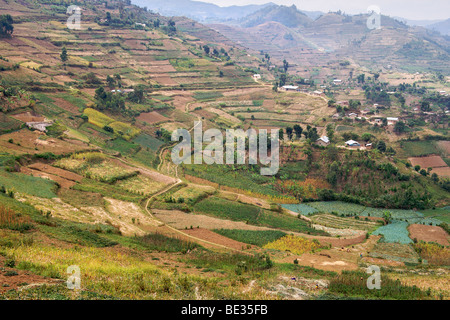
(213, 237)
(152, 117)
(429, 234)
(428, 162)
(56, 171)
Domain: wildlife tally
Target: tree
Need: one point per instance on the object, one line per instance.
(275, 86)
(206, 49)
(285, 65)
(332, 176)
(330, 131)
(381, 146)
(360, 78)
(289, 132)
(425, 106)
(435, 177)
(6, 26)
(110, 81)
(298, 131)
(281, 134)
(63, 55)
(400, 127)
(366, 136)
(282, 80)
(387, 216)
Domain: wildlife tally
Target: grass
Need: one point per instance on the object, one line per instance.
(395, 252)
(207, 95)
(442, 214)
(19, 182)
(101, 120)
(419, 148)
(107, 190)
(13, 221)
(8, 124)
(140, 185)
(74, 234)
(240, 178)
(227, 209)
(192, 194)
(123, 146)
(294, 244)
(163, 243)
(354, 284)
(148, 141)
(434, 253)
(254, 237)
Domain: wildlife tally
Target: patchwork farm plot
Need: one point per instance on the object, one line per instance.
(344, 223)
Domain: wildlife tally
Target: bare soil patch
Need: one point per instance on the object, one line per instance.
(10, 281)
(428, 162)
(442, 171)
(213, 237)
(56, 171)
(429, 234)
(28, 117)
(63, 183)
(152, 117)
(26, 141)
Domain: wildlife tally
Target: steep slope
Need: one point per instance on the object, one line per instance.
(200, 11)
(337, 36)
(443, 27)
(287, 16)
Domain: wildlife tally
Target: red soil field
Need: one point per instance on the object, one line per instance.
(152, 117)
(428, 162)
(429, 234)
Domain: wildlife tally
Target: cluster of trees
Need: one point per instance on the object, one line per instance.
(377, 94)
(309, 133)
(109, 101)
(6, 25)
(215, 52)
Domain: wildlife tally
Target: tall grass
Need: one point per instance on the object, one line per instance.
(13, 221)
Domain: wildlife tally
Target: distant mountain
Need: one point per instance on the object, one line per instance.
(288, 16)
(286, 33)
(417, 23)
(199, 11)
(443, 27)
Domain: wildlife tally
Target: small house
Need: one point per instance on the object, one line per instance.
(40, 126)
(323, 141)
(290, 88)
(391, 120)
(257, 76)
(352, 143)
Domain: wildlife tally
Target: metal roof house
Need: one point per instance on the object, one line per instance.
(323, 141)
(352, 143)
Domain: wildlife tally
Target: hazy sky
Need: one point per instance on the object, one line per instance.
(410, 9)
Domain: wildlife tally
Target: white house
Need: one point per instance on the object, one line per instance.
(391, 120)
(257, 76)
(323, 141)
(290, 88)
(337, 81)
(40, 126)
(352, 143)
